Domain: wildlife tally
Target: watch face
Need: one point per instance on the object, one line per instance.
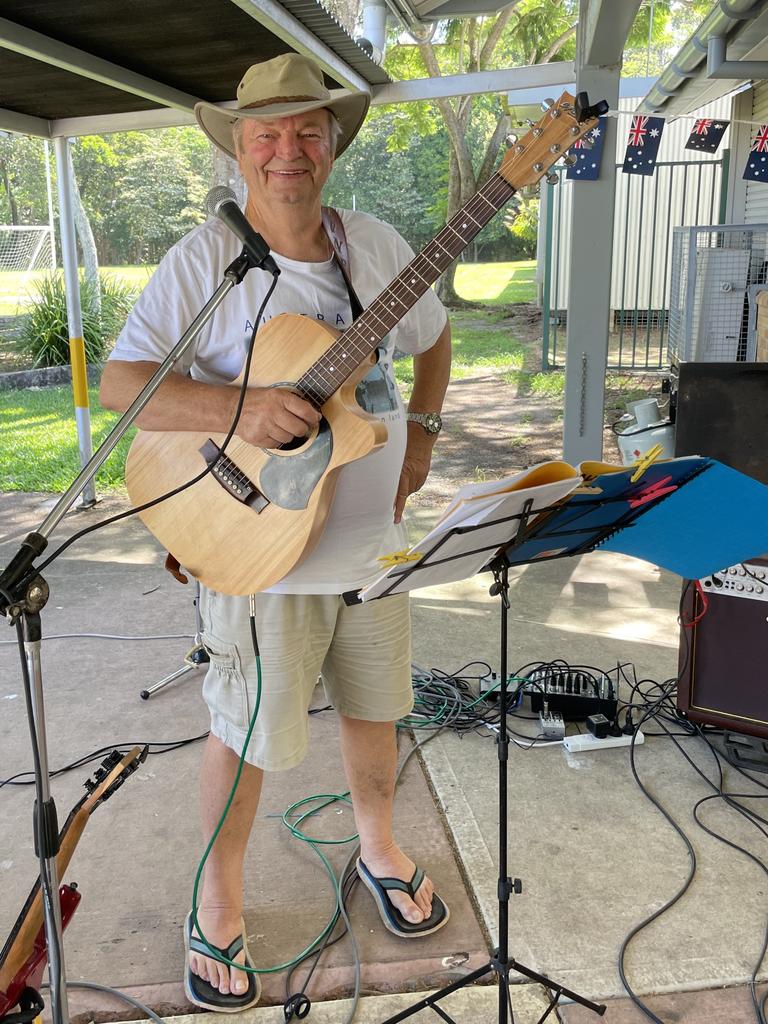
(433, 422)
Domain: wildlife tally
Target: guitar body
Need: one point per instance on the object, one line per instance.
(237, 548)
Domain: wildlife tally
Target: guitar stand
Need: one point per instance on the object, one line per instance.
(195, 657)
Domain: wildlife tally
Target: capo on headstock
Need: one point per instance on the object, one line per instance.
(584, 112)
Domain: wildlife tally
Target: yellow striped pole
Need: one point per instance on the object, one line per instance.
(74, 313)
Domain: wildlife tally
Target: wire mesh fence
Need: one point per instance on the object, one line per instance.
(647, 212)
(717, 273)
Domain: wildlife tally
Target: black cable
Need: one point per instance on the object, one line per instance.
(20, 779)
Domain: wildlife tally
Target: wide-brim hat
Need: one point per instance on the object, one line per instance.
(282, 87)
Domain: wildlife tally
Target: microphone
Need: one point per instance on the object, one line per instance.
(221, 202)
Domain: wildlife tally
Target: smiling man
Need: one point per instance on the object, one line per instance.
(285, 134)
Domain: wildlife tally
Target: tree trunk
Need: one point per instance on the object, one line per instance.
(9, 192)
(85, 236)
(445, 286)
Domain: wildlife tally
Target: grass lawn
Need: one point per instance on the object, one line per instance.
(16, 286)
(39, 450)
(497, 283)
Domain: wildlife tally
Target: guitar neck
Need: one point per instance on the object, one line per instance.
(365, 335)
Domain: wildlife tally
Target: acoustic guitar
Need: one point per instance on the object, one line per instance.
(258, 512)
(24, 954)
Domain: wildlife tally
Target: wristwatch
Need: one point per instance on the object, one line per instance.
(431, 421)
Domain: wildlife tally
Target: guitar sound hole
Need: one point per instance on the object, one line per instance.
(293, 444)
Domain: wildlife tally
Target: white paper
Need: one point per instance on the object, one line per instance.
(476, 548)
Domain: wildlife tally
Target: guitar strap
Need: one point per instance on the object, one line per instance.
(334, 228)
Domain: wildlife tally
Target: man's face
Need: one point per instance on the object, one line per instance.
(287, 160)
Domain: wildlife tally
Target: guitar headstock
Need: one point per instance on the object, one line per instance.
(109, 777)
(532, 156)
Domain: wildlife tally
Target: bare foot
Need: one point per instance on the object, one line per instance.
(221, 926)
(393, 863)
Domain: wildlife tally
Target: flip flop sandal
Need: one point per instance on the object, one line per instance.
(390, 915)
(203, 994)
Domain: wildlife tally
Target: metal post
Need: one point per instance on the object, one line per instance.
(74, 315)
(49, 193)
(546, 208)
(589, 288)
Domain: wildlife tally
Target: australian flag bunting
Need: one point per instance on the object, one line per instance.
(707, 134)
(757, 164)
(588, 152)
(643, 144)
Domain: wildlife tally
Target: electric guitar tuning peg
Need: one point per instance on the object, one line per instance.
(570, 160)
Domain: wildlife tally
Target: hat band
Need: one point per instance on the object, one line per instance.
(283, 99)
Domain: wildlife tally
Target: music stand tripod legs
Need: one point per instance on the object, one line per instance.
(195, 657)
(500, 963)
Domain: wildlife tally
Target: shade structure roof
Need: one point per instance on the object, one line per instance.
(99, 58)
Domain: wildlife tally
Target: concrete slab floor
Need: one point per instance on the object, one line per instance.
(136, 861)
(594, 855)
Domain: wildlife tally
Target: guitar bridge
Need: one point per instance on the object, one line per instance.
(231, 478)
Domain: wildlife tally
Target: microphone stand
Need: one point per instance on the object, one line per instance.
(23, 595)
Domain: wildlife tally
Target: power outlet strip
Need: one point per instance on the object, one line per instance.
(586, 741)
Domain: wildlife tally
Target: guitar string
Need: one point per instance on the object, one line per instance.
(352, 341)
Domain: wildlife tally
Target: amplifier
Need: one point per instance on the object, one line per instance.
(724, 656)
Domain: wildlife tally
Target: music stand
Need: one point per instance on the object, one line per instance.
(631, 511)
(498, 564)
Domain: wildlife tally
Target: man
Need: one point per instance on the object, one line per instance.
(284, 133)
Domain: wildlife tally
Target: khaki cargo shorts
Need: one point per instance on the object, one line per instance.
(363, 653)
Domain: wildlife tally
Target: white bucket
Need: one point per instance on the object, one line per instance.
(636, 441)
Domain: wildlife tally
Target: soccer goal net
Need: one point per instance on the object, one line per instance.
(23, 250)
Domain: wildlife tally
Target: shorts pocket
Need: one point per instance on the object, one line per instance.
(224, 689)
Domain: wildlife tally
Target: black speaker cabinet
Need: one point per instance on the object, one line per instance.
(724, 656)
(722, 412)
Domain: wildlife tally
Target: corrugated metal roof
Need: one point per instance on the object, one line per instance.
(319, 20)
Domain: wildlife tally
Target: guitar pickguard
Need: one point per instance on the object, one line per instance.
(289, 480)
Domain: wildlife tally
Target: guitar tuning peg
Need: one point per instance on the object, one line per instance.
(570, 160)
(511, 139)
(553, 179)
(547, 103)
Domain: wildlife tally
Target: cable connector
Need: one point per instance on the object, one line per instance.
(552, 725)
(297, 1006)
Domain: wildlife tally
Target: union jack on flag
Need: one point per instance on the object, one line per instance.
(637, 131)
(701, 127)
(643, 144)
(757, 163)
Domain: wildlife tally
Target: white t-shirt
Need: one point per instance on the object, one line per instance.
(360, 525)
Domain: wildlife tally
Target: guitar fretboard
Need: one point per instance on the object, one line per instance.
(327, 375)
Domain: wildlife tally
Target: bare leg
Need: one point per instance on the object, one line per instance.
(221, 902)
(369, 750)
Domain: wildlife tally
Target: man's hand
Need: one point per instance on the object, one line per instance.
(418, 457)
(274, 416)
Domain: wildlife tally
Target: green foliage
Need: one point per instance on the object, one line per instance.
(44, 335)
(40, 450)
(525, 225)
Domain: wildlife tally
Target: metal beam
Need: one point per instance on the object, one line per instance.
(79, 62)
(556, 73)
(283, 25)
(24, 124)
(589, 287)
(129, 121)
(604, 27)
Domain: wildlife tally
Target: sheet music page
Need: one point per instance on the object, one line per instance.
(461, 555)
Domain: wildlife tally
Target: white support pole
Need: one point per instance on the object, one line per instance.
(589, 287)
(49, 192)
(74, 313)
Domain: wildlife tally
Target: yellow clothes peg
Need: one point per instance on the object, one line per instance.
(647, 460)
(398, 558)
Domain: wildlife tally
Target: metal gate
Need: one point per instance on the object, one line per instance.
(647, 210)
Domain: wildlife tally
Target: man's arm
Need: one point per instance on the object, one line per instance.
(431, 373)
(270, 416)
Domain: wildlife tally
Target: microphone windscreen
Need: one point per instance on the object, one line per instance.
(218, 194)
